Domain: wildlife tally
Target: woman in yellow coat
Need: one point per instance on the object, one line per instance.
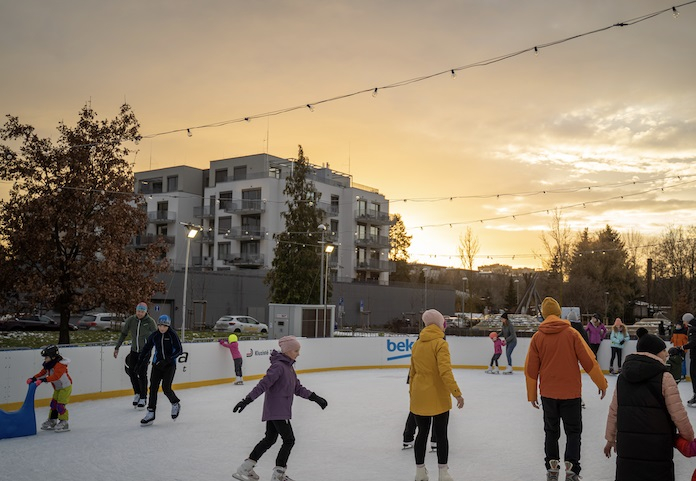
(431, 384)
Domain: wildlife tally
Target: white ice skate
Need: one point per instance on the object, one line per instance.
(508, 370)
(62, 427)
(443, 474)
(421, 473)
(176, 407)
(407, 446)
(279, 474)
(433, 447)
(49, 424)
(489, 370)
(552, 472)
(148, 419)
(246, 472)
(570, 475)
(136, 399)
(239, 381)
(142, 402)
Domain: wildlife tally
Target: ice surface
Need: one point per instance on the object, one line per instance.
(496, 436)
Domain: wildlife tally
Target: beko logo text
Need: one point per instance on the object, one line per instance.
(400, 346)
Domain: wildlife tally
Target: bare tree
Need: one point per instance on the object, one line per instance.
(557, 244)
(468, 248)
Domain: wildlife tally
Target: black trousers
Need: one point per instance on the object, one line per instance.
(165, 376)
(238, 367)
(273, 429)
(616, 352)
(439, 423)
(570, 412)
(410, 430)
(494, 359)
(595, 349)
(692, 369)
(138, 377)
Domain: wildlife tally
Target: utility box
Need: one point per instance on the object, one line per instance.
(300, 320)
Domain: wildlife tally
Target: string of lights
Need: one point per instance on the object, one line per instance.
(451, 72)
(549, 210)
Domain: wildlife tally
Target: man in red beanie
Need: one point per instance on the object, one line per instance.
(552, 359)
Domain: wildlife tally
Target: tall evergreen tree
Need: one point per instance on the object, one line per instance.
(295, 274)
(399, 242)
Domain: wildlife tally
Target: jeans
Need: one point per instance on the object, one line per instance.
(570, 412)
(273, 429)
(509, 347)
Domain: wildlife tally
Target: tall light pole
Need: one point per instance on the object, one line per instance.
(328, 249)
(322, 228)
(193, 231)
(606, 305)
(517, 291)
(425, 297)
(466, 284)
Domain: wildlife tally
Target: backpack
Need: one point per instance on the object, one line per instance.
(674, 363)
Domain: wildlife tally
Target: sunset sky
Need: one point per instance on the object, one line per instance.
(607, 120)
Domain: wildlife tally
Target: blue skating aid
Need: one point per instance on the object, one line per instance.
(20, 423)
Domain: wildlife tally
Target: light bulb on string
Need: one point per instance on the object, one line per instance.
(374, 92)
(454, 74)
(675, 12)
(536, 51)
(188, 132)
(310, 107)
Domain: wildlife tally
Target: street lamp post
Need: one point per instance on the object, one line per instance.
(606, 305)
(517, 291)
(328, 249)
(322, 228)
(425, 297)
(193, 231)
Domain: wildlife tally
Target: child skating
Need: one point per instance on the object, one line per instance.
(498, 344)
(281, 385)
(55, 371)
(233, 346)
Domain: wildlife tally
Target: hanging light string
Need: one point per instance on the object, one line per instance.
(548, 210)
(451, 72)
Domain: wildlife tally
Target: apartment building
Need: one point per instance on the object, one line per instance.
(239, 201)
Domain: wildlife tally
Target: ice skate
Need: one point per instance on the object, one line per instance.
(508, 370)
(142, 402)
(433, 447)
(175, 410)
(692, 402)
(552, 472)
(279, 474)
(49, 424)
(407, 445)
(239, 381)
(570, 475)
(421, 473)
(443, 474)
(611, 370)
(489, 370)
(62, 427)
(495, 370)
(148, 419)
(136, 399)
(246, 472)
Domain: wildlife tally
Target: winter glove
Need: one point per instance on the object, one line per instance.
(319, 400)
(622, 341)
(241, 405)
(31, 380)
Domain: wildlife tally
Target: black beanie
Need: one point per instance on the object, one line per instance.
(504, 315)
(641, 331)
(651, 343)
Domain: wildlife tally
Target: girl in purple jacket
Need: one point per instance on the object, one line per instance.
(596, 331)
(281, 386)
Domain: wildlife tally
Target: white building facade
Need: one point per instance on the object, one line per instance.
(239, 201)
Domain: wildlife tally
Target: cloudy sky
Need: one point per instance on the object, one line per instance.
(606, 120)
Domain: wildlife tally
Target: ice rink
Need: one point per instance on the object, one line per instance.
(496, 436)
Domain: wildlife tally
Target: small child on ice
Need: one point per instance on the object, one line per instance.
(498, 344)
(55, 371)
(233, 346)
(281, 386)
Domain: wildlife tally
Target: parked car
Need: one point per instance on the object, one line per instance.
(240, 324)
(102, 321)
(32, 323)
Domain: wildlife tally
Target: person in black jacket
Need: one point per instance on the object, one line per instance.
(644, 416)
(167, 348)
(689, 320)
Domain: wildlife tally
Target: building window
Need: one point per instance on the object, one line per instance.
(334, 205)
(220, 176)
(224, 225)
(362, 207)
(156, 186)
(225, 200)
(173, 183)
(240, 173)
(250, 249)
(223, 250)
(334, 227)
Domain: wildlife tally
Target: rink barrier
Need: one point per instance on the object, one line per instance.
(97, 375)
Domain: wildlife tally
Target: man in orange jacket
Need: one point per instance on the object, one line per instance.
(552, 359)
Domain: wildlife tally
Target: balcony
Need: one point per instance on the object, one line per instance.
(373, 217)
(331, 210)
(205, 261)
(161, 216)
(204, 212)
(142, 241)
(245, 206)
(246, 233)
(247, 261)
(379, 241)
(207, 237)
(375, 265)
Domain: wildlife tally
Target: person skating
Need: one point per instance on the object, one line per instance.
(55, 371)
(139, 326)
(645, 415)
(596, 332)
(431, 388)
(167, 347)
(618, 337)
(510, 336)
(281, 385)
(552, 363)
(690, 321)
(232, 344)
(498, 344)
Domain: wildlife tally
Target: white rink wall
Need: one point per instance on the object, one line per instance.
(96, 374)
